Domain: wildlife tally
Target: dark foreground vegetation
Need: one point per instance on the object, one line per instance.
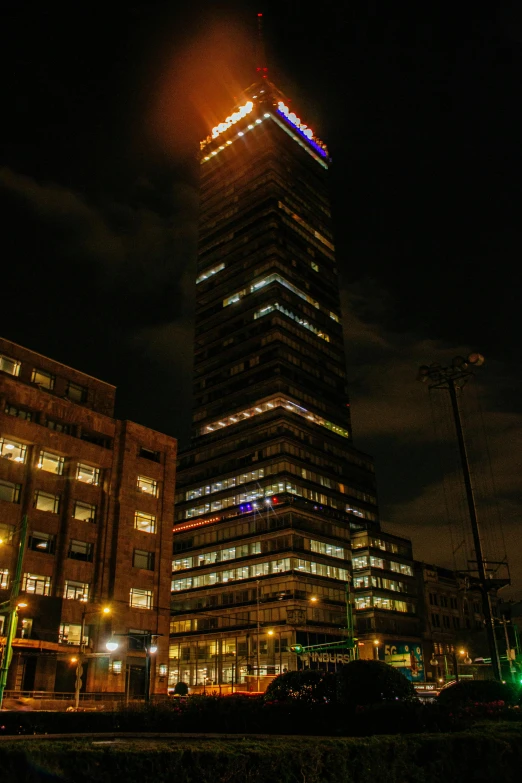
(362, 724)
(481, 755)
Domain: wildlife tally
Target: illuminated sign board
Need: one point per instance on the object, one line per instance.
(302, 128)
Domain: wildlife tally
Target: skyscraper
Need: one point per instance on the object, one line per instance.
(272, 489)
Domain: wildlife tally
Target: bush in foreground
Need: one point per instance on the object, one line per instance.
(361, 683)
(308, 685)
(467, 692)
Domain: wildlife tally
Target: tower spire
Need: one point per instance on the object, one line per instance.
(261, 67)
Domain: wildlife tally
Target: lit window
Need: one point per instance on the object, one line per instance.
(140, 599)
(43, 379)
(209, 272)
(117, 667)
(45, 501)
(87, 474)
(76, 591)
(76, 393)
(80, 550)
(143, 559)
(52, 463)
(145, 522)
(297, 318)
(4, 578)
(34, 583)
(11, 449)
(314, 266)
(10, 366)
(84, 511)
(41, 542)
(334, 317)
(70, 634)
(147, 485)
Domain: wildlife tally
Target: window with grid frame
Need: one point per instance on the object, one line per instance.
(76, 591)
(51, 463)
(143, 559)
(87, 474)
(41, 542)
(36, 584)
(43, 378)
(86, 512)
(13, 450)
(10, 366)
(140, 598)
(148, 486)
(45, 501)
(4, 578)
(80, 550)
(10, 491)
(145, 522)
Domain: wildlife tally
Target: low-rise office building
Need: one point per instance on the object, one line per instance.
(98, 495)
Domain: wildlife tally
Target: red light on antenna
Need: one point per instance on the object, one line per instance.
(260, 14)
(275, 500)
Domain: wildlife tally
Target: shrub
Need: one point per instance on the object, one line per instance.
(369, 682)
(466, 692)
(309, 685)
(181, 688)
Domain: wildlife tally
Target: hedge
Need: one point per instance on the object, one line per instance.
(480, 755)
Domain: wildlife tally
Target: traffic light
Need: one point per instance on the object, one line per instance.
(297, 648)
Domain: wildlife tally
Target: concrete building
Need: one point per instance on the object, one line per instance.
(452, 620)
(99, 498)
(273, 488)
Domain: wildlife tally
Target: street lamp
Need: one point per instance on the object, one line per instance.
(151, 647)
(376, 643)
(82, 655)
(10, 608)
(453, 655)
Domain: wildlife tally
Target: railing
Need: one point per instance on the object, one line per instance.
(84, 697)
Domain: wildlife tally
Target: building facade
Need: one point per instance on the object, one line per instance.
(272, 489)
(453, 623)
(98, 494)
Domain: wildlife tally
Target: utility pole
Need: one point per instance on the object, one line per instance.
(508, 649)
(453, 378)
(10, 607)
(257, 639)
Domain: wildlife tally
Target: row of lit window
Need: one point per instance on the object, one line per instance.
(42, 378)
(209, 272)
(258, 493)
(276, 402)
(272, 469)
(217, 556)
(261, 569)
(273, 278)
(54, 463)
(244, 550)
(36, 584)
(379, 602)
(86, 512)
(364, 561)
(301, 321)
(376, 581)
(361, 542)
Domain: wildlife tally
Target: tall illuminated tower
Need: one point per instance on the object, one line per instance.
(272, 489)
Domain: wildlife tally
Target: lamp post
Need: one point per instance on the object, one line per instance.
(257, 638)
(453, 655)
(454, 378)
(11, 607)
(151, 647)
(82, 655)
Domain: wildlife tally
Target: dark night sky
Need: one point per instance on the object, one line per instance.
(103, 107)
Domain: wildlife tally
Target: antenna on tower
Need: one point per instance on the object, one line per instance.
(261, 68)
